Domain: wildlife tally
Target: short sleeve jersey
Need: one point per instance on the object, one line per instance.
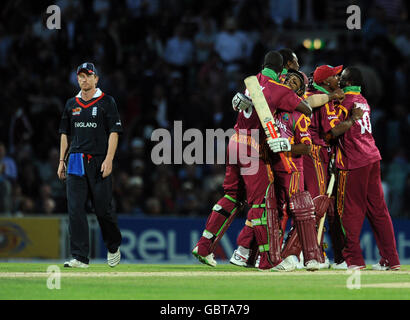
(356, 148)
(89, 123)
(277, 95)
(293, 126)
(323, 120)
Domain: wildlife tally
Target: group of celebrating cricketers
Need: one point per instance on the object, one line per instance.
(324, 134)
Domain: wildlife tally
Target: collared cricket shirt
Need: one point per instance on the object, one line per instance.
(356, 148)
(89, 123)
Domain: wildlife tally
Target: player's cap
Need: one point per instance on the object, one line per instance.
(323, 72)
(88, 67)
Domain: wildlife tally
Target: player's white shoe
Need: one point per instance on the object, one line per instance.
(298, 263)
(238, 260)
(326, 264)
(379, 267)
(339, 266)
(287, 264)
(114, 258)
(74, 263)
(209, 259)
(312, 265)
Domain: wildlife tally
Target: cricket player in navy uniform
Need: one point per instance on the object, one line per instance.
(89, 128)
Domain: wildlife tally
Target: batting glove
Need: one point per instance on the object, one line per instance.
(241, 102)
(279, 144)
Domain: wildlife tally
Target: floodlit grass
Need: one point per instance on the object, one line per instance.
(28, 281)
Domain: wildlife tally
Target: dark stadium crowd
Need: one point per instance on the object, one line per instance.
(166, 61)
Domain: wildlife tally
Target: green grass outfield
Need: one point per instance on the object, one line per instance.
(197, 282)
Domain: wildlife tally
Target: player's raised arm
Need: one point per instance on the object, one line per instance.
(342, 127)
(318, 100)
(304, 108)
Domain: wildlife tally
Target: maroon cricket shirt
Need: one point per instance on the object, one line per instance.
(356, 147)
(277, 95)
(293, 126)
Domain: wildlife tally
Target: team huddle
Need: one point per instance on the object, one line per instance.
(323, 135)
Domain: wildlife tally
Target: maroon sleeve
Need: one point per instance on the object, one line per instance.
(289, 100)
(328, 117)
(279, 96)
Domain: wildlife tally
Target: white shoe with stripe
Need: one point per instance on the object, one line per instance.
(74, 263)
(340, 266)
(380, 267)
(312, 265)
(286, 265)
(114, 258)
(209, 259)
(238, 260)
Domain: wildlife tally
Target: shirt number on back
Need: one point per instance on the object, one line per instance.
(365, 124)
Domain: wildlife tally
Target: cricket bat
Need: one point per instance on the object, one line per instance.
(264, 113)
(322, 220)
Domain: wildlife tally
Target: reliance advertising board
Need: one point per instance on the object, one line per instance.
(170, 240)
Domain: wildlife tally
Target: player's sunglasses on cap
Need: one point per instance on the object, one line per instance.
(88, 67)
(323, 72)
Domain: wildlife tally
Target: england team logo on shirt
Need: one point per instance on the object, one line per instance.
(94, 112)
(76, 111)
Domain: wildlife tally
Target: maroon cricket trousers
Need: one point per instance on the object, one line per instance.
(360, 195)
